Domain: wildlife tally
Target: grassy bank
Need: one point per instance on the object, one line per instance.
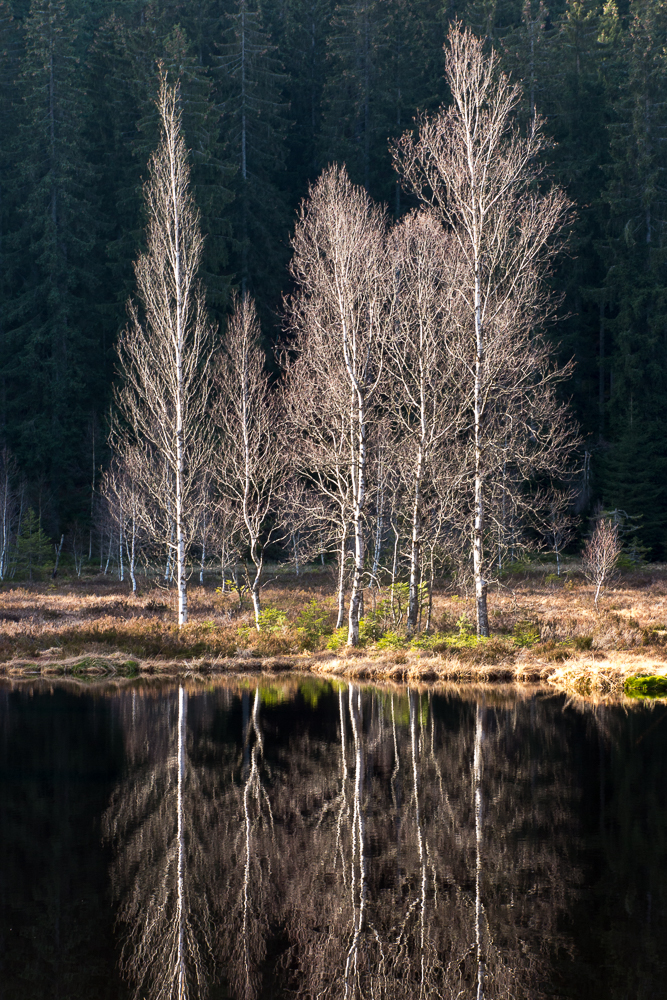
(544, 629)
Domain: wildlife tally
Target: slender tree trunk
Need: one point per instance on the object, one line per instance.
(295, 547)
(255, 585)
(5, 526)
(121, 542)
(132, 553)
(429, 617)
(59, 549)
(341, 577)
(170, 549)
(415, 547)
(379, 523)
(180, 438)
(359, 480)
(478, 528)
(106, 568)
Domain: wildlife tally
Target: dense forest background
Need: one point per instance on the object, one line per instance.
(273, 91)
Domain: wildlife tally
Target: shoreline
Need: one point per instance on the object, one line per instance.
(585, 675)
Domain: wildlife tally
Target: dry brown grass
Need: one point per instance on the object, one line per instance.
(48, 628)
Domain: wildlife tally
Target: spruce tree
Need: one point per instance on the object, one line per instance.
(51, 361)
(636, 256)
(255, 124)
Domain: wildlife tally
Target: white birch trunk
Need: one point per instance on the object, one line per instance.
(415, 546)
(341, 579)
(180, 433)
(478, 525)
(359, 487)
(121, 542)
(203, 552)
(132, 547)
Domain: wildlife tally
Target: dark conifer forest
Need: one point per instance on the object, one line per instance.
(272, 92)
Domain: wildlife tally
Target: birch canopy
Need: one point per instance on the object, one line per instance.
(340, 316)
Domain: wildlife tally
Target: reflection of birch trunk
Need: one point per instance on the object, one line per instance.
(414, 704)
(180, 904)
(160, 871)
(244, 933)
(358, 839)
(477, 780)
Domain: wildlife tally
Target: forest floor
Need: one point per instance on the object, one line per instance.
(544, 629)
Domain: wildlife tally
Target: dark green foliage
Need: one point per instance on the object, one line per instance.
(34, 548)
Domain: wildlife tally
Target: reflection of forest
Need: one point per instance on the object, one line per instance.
(367, 844)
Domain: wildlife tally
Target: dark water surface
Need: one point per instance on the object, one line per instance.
(305, 839)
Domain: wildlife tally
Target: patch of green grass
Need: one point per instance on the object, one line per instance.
(312, 624)
(393, 640)
(337, 639)
(88, 663)
(583, 642)
(646, 686)
(526, 634)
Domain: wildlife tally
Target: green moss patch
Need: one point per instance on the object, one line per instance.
(646, 687)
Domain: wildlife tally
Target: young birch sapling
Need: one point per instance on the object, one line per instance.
(251, 469)
(600, 555)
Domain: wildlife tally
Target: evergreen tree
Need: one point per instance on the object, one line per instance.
(33, 547)
(636, 255)
(356, 49)
(51, 352)
(124, 63)
(302, 36)
(254, 114)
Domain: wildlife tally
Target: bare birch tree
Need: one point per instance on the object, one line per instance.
(165, 349)
(339, 316)
(122, 488)
(251, 469)
(600, 555)
(470, 163)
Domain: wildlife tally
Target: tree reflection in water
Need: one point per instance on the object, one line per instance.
(416, 853)
(157, 819)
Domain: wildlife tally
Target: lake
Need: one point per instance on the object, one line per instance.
(283, 837)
